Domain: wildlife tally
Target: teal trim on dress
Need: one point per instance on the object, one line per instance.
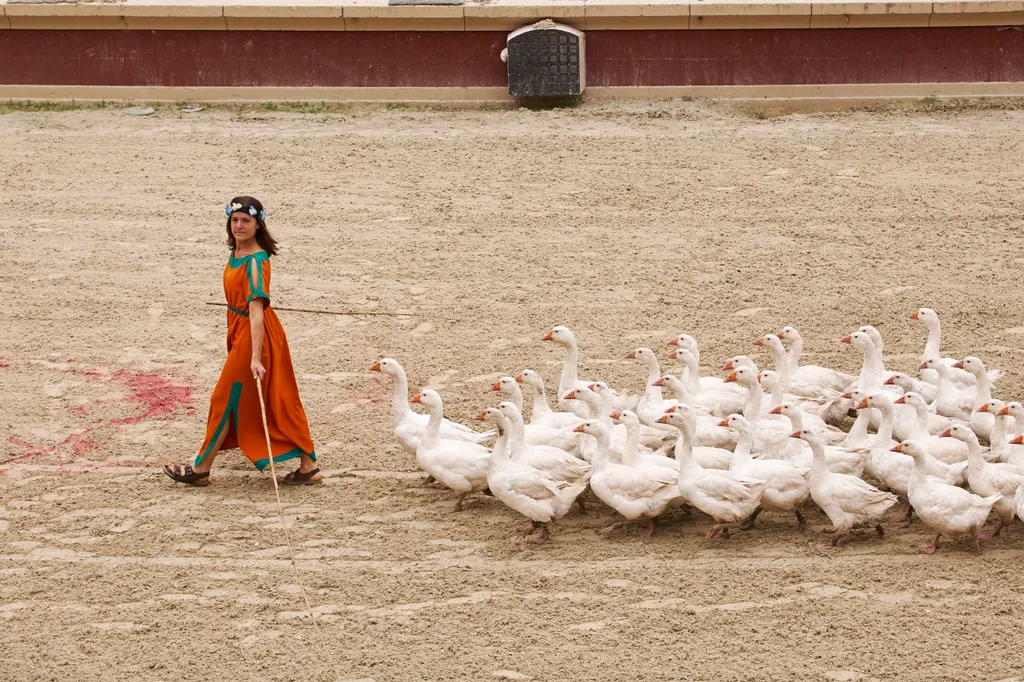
(236, 311)
(255, 283)
(231, 411)
(238, 262)
(261, 464)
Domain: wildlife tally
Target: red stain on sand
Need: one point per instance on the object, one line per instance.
(76, 444)
(158, 396)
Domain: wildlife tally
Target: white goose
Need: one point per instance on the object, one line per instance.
(635, 493)
(981, 422)
(812, 374)
(709, 434)
(795, 385)
(1016, 412)
(840, 460)
(847, 500)
(999, 444)
(537, 434)
(945, 508)
(652, 404)
(717, 399)
(770, 435)
(907, 383)
(542, 414)
(776, 395)
(459, 465)
(989, 478)
(534, 493)
(932, 352)
(725, 496)
(555, 461)
(950, 401)
(569, 379)
(891, 468)
(948, 450)
(787, 484)
(409, 426)
(649, 437)
(631, 454)
(871, 373)
(689, 344)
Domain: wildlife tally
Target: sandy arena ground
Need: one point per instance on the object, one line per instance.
(629, 223)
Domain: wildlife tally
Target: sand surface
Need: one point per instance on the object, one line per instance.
(628, 222)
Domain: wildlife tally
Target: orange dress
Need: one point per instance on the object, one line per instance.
(234, 405)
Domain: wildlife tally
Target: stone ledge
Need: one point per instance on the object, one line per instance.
(505, 14)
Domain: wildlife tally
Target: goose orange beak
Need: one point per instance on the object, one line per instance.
(631, 356)
(550, 336)
(376, 367)
(674, 341)
(571, 395)
(417, 399)
(847, 395)
(900, 401)
(591, 386)
(759, 342)
(496, 386)
(479, 417)
(862, 405)
(758, 378)
(946, 434)
(674, 355)
(914, 315)
(924, 365)
(846, 339)
(1004, 411)
(616, 415)
(658, 382)
(983, 408)
(959, 364)
(662, 420)
(898, 448)
(1019, 440)
(727, 366)
(578, 429)
(670, 410)
(777, 410)
(731, 378)
(724, 422)
(796, 434)
(519, 379)
(891, 381)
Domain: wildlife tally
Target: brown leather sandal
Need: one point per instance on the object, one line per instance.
(186, 474)
(298, 478)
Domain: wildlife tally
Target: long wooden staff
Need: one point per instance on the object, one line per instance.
(350, 312)
(284, 528)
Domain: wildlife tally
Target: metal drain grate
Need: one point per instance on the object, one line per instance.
(545, 62)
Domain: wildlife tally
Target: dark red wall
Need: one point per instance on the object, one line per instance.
(470, 58)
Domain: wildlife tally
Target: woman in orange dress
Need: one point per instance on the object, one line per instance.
(256, 346)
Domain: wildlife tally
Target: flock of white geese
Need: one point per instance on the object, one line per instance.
(736, 445)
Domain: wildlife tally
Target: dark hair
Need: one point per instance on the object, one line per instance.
(263, 236)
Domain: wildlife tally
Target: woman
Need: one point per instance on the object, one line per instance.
(256, 347)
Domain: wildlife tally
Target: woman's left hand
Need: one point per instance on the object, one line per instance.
(257, 369)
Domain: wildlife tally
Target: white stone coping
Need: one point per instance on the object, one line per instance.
(574, 11)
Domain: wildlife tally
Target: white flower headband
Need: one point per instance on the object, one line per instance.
(231, 208)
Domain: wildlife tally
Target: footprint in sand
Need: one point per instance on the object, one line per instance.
(749, 312)
(422, 329)
(417, 290)
(510, 675)
(847, 173)
(777, 172)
